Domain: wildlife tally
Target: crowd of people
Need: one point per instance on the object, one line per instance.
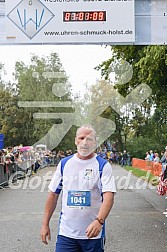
(153, 156)
(29, 160)
(162, 159)
(32, 159)
(162, 186)
(114, 156)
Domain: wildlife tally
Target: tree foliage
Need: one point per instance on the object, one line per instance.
(44, 79)
(148, 121)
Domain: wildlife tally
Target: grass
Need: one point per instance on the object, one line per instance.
(145, 175)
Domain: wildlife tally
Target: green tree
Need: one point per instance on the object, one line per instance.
(10, 116)
(35, 82)
(43, 80)
(149, 65)
(101, 97)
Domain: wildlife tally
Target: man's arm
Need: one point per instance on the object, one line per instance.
(49, 209)
(108, 201)
(95, 227)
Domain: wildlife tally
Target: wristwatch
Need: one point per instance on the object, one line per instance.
(100, 220)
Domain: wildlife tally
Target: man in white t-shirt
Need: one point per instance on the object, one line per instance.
(88, 188)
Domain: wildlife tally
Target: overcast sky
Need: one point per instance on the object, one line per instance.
(78, 60)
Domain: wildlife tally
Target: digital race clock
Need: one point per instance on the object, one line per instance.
(73, 16)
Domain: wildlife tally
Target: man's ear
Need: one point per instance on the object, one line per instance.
(95, 146)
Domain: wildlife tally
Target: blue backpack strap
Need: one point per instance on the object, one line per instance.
(102, 163)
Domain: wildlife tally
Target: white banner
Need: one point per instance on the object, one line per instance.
(2, 21)
(70, 21)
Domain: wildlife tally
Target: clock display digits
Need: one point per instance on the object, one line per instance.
(87, 16)
(73, 16)
(78, 16)
(101, 15)
(81, 16)
(67, 16)
(95, 16)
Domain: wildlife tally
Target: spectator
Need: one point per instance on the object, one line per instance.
(2, 157)
(37, 165)
(163, 161)
(162, 153)
(124, 158)
(129, 159)
(151, 156)
(147, 156)
(111, 157)
(156, 159)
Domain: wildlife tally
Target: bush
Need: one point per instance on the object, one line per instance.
(138, 147)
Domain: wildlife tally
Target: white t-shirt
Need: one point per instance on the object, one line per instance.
(82, 190)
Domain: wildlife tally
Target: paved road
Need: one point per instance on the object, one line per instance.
(136, 222)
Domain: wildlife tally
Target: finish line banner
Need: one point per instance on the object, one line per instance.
(69, 21)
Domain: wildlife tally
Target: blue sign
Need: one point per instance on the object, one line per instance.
(1, 141)
(79, 198)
